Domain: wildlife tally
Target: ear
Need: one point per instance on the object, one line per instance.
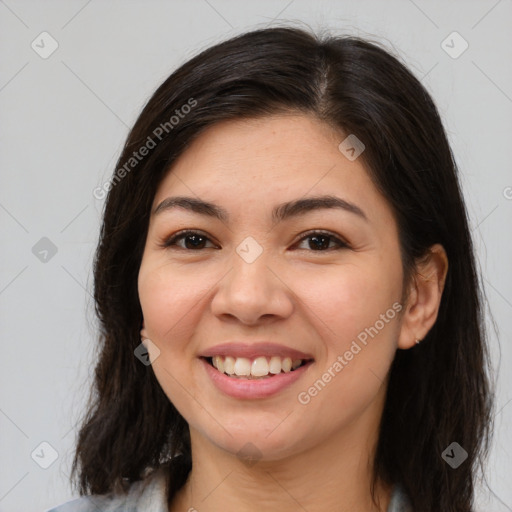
(425, 293)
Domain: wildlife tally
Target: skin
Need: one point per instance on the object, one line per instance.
(319, 455)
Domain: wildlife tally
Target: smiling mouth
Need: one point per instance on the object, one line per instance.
(257, 368)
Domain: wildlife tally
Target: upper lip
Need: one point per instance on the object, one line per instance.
(253, 350)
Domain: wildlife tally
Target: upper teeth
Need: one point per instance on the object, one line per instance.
(259, 367)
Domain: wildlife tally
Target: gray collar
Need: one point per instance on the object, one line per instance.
(399, 501)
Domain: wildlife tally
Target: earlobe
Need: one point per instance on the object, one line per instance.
(143, 332)
(425, 296)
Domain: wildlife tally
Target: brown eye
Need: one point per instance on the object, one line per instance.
(192, 240)
(320, 241)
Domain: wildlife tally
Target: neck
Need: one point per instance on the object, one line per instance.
(335, 475)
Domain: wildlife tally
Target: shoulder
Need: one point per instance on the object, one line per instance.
(399, 500)
(148, 495)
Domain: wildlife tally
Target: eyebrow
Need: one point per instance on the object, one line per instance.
(280, 213)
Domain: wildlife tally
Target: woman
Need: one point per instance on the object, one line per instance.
(286, 285)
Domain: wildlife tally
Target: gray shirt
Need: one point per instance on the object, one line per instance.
(149, 495)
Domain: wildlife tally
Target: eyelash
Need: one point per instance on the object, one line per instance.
(171, 241)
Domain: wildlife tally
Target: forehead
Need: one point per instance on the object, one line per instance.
(263, 160)
(269, 140)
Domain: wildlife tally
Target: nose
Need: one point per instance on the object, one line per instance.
(253, 292)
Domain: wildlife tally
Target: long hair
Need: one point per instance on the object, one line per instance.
(439, 392)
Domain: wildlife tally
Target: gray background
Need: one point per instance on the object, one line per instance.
(64, 120)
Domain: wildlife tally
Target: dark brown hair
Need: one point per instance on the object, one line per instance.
(438, 392)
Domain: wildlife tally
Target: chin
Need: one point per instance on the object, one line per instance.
(246, 441)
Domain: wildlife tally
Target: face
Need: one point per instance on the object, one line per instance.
(262, 282)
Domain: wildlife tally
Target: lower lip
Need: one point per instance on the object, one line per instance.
(253, 388)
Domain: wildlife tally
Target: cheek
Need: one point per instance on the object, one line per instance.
(167, 295)
(345, 301)
(353, 313)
